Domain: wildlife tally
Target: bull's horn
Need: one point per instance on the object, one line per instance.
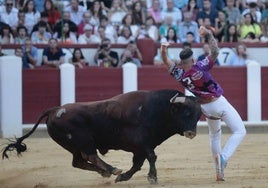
(179, 100)
(176, 99)
(173, 98)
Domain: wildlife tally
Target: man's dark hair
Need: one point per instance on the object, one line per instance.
(44, 14)
(186, 45)
(190, 33)
(103, 17)
(42, 24)
(186, 53)
(22, 27)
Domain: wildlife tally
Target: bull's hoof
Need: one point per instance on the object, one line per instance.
(116, 171)
(121, 177)
(118, 178)
(105, 174)
(152, 180)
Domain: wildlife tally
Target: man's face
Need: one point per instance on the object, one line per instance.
(103, 23)
(28, 45)
(101, 32)
(189, 38)
(170, 4)
(88, 32)
(206, 4)
(106, 44)
(21, 16)
(156, 4)
(18, 52)
(53, 43)
(41, 29)
(87, 17)
(22, 32)
(230, 2)
(74, 4)
(9, 5)
(66, 16)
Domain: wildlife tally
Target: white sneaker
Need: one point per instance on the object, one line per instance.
(220, 166)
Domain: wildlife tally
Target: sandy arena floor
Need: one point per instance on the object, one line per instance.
(181, 163)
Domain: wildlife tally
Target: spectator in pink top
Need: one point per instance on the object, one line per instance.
(155, 12)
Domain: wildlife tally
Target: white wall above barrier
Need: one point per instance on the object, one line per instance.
(10, 96)
(130, 77)
(67, 83)
(254, 91)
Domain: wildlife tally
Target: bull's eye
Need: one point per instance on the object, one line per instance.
(188, 113)
(174, 110)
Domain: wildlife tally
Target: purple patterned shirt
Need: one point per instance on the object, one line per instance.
(198, 80)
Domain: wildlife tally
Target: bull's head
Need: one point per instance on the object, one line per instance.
(186, 111)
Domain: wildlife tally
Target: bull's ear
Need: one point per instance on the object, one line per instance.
(178, 100)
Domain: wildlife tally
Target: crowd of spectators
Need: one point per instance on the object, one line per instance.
(126, 21)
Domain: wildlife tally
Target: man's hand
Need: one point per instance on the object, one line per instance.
(163, 50)
(164, 45)
(203, 31)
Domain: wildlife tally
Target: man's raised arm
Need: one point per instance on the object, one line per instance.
(211, 41)
(163, 49)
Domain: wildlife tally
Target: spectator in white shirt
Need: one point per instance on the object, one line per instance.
(76, 11)
(97, 12)
(100, 33)
(171, 37)
(151, 28)
(127, 20)
(116, 13)
(32, 16)
(254, 11)
(125, 36)
(66, 36)
(110, 32)
(9, 14)
(88, 37)
(172, 11)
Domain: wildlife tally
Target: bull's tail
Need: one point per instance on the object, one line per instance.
(18, 144)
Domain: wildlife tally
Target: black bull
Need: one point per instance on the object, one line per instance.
(135, 122)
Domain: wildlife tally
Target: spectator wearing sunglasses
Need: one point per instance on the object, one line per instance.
(9, 14)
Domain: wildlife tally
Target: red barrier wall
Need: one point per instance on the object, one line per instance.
(264, 93)
(233, 80)
(40, 90)
(97, 83)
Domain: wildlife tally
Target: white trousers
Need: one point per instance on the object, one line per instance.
(222, 109)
